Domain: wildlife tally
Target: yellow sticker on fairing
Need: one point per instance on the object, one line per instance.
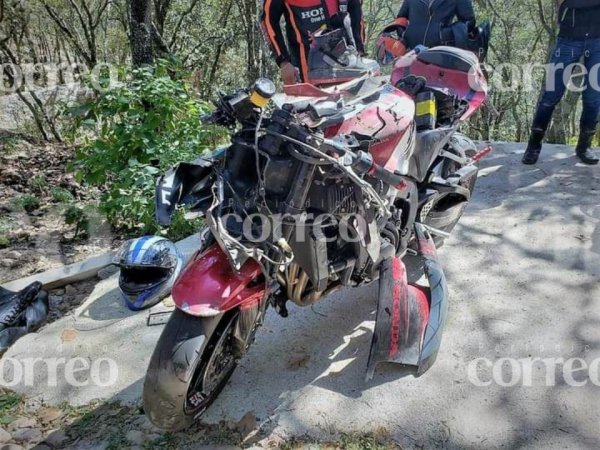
(426, 108)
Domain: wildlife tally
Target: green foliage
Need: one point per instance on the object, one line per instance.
(61, 195)
(39, 183)
(9, 144)
(143, 128)
(28, 202)
(4, 241)
(7, 223)
(9, 402)
(74, 215)
(370, 441)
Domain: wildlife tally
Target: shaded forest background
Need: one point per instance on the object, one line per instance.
(83, 164)
(220, 45)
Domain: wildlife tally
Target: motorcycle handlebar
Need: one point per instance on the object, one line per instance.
(363, 163)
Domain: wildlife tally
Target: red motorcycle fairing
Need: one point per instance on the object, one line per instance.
(448, 69)
(389, 121)
(209, 286)
(410, 319)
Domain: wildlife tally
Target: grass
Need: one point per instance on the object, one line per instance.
(8, 401)
(117, 440)
(109, 423)
(368, 441)
(165, 441)
(9, 406)
(9, 144)
(7, 223)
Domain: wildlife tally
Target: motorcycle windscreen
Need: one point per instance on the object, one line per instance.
(187, 184)
(410, 319)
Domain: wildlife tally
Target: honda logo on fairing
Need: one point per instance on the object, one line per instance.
(315, 15)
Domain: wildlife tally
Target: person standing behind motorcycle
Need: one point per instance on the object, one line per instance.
(579, 37)
(302, 18)
(437, 22)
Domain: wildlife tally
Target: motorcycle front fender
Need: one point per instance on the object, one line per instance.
(209, 286)
(410, 319)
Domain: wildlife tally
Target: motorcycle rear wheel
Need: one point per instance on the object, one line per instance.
(190, 366)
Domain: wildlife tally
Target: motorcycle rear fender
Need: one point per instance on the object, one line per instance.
(209, 286)
(410, 318)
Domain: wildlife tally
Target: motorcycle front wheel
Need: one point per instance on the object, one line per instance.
(193, 360)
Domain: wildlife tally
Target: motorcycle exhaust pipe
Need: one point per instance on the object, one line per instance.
(463, 175)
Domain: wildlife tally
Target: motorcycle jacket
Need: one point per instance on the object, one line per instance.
(579, 19)
(431, 22)
(302, 19)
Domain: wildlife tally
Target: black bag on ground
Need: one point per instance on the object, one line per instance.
(21, 313)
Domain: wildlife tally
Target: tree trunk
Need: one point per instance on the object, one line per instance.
(248, 13)
(141, 33)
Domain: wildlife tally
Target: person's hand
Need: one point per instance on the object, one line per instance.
(289, 73)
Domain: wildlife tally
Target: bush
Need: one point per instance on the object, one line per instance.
(143, 128)
(61, 195)
(75, 215)
(28, 202)
(39, 183)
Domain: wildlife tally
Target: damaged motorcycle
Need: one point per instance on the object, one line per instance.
(320, 189)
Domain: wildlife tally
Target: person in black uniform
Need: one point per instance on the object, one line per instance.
(579, 37)
(437, 22)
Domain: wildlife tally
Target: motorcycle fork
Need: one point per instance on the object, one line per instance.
(408, 201)
(297, 196)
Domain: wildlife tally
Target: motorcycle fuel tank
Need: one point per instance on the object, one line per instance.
(388, 122)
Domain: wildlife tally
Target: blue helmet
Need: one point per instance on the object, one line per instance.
(149, 266)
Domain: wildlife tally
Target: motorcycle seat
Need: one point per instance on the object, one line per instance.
(450, 58)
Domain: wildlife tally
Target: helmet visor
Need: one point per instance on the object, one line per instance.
(136, 279)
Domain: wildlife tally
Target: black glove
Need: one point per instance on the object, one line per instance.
(412, 84)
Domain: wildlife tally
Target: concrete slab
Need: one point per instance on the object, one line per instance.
(61, 276)
(523, 269)
(102, 327)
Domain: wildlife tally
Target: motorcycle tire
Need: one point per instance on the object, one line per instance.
(176, 389)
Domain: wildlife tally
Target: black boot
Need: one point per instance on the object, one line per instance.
(583, 150)
(534, 147)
